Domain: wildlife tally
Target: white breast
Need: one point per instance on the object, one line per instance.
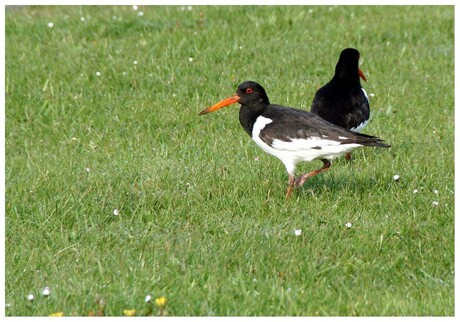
(361, 126)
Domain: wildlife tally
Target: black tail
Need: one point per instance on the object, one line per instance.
(366, 140)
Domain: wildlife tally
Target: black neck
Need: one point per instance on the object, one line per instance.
(249, 115)
(346, 74)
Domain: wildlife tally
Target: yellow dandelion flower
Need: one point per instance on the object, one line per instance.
(57, 314)
(129, 312)
(161, 302)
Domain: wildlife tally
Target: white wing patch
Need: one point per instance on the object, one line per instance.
(303, 144)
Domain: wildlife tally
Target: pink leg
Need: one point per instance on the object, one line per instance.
(291, 185)
(301, 179)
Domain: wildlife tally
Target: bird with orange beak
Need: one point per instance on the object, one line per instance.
(292, 135)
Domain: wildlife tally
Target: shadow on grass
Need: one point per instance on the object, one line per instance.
(338, 184)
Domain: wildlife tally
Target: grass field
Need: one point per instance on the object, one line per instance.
(101, 115)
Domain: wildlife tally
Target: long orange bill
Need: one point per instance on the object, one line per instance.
(361, 74)
(226, 102)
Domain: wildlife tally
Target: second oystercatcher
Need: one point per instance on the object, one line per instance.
(343, 101)
(292, 135)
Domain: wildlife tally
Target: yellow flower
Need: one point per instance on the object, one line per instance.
(57, 314)
(129, 312)
(161, 302)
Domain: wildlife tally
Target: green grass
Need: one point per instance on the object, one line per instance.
(202, 217)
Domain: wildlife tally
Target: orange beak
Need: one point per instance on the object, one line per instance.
(361, 74)
(226, 102)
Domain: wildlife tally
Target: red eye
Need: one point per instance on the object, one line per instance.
(249, 90)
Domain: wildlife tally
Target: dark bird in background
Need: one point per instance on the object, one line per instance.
(343, 101)
(292, 135)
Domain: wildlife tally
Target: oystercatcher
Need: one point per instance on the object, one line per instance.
(292, 135)
(343, 101)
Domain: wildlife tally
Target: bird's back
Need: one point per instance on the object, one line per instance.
(292, 123)
(341, 103)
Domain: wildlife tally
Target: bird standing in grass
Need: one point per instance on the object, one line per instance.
(343, 101)
(292, 135)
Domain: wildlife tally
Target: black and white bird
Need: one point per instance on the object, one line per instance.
(343, 101)
(292, 135)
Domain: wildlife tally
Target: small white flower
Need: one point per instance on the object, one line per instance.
(298, 232)
(140, 13)
(435, 203)
(124, 73)
(348, 225)
(148, 298)
(88, 170)
(190, 59)
(415, 191)
(30, 297)
(116, 212)
(310, 11)
(254, 279)
(435, 191)
(135, 62)
(82, 19)
(189, 8)
(396, 177)
(134, 7)
(371, 94)
(50, 24)
(46, 291)
(98, 74)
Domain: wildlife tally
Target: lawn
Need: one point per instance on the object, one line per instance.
(116, 189)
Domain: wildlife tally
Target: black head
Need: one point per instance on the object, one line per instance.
(348, 65)
(349, 54)
(249, 93)
(252, 93)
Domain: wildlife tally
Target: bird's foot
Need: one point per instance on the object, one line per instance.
(288, 193)
(300, 180)
(296, 183)
(291, 185)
